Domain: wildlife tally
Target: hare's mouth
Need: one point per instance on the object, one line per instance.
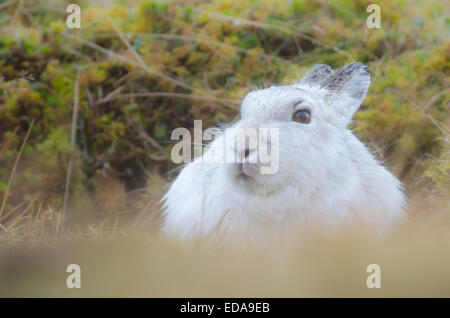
(247, 178)
(252, 185)
(244, 176)
(243, 172)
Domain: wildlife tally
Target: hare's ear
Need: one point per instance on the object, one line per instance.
(316, 76)
(347, 88)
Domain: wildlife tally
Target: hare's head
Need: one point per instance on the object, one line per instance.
(301, 126)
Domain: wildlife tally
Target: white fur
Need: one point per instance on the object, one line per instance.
(326, 174)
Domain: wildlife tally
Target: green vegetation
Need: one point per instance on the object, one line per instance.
(147, 67)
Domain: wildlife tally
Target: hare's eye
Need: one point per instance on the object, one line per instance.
(302, 116)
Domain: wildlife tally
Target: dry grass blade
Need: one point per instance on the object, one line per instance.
(433, 99)
(22, 216)
(5, 147)
(11, 177)
(76, 100)
(6, 4)
(110, 96)
(17, 13)
(10, 212)
(275, 27)
(200, 39)
(180, 95)
(107, 52)
(143, 64)
(143, 135)
(122, 58)
(444, 130)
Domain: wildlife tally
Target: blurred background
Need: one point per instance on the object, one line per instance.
(86, 116)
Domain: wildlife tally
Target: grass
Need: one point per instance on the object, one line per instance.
(11, 178)
(133, 259)
(414, 262)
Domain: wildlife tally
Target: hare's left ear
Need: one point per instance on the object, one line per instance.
(347, 88)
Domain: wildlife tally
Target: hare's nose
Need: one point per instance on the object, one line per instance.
(245, 153)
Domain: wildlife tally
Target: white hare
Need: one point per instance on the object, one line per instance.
(325, 173)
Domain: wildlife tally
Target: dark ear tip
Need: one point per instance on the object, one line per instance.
(323, 67)
(358, 65)
(318, 74)
(366, 68)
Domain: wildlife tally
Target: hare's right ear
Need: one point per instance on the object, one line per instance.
(316, 76)
(347, 88)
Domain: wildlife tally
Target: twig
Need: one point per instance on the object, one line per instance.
(141, 61)
(72, 142)
(11, 177)
(127, 60)
(6, 4)
(200, 39)
(157, 157)
(110, 96)
(5, 147)
(16, 13)
(10, 212)
(76, 53)
(21, 216)
(444, 130)
(179, 95)
(434, 99)
(275, 27)
(144, 136)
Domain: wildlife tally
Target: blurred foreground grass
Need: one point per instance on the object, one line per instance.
(414, 260)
